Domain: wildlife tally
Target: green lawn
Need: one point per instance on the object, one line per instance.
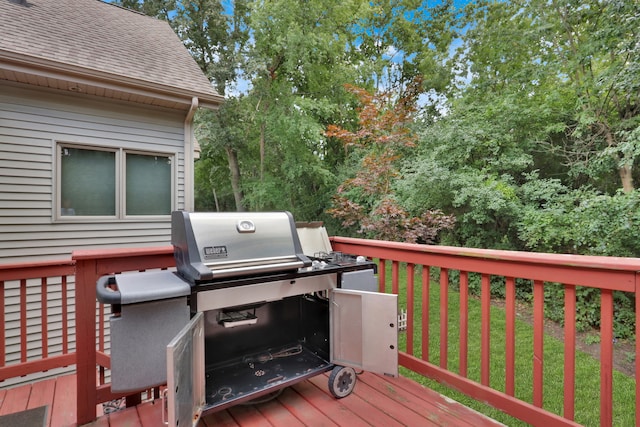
(587, 406)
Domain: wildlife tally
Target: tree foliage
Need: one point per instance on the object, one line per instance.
(519, 119)
(573, 62)
(368, 200)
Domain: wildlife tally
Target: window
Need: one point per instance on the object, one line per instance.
(103, 183)
(148, 179)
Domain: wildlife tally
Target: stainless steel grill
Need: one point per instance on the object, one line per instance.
(267, 309)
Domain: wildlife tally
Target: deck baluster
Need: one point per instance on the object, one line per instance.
(510, 332)
(426, 297)
(464, 322)
(485, 345)
(569, 351)
(410, 306)
(444, 318)
(606, 357)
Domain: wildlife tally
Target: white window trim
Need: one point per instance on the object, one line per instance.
(120, 159)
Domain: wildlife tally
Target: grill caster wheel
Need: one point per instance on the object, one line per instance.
(342, 380)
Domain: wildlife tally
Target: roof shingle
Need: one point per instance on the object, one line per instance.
(102, 39)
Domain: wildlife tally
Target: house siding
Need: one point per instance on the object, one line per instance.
(31, 122)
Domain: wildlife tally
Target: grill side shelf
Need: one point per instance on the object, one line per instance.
(133, 288)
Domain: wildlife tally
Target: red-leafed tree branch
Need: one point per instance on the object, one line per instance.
(367, 201)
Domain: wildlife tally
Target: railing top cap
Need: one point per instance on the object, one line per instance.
(588, 261)
(120, 252)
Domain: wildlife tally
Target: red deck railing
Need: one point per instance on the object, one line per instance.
(43, 287)
(608, 274)
(90, 265)
(604, 273)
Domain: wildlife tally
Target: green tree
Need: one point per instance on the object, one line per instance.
(571, 69)
(535, 99)
(216, 37)
(299, 60)
(222, 135)
(596, 47)
(296, 57)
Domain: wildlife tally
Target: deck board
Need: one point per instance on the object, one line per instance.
(376, 401)
(334, 409)
(248, 416)
(219, 419)
(63, 407)
(150, 413)
(372, 415)
(276, 413)
(399, 412)
(301, 406)
(15, 400)
(42, 393)
(127, 417)
(413, 408)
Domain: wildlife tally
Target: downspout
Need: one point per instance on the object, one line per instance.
(189, 159)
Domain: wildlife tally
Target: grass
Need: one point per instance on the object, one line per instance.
(587, 375)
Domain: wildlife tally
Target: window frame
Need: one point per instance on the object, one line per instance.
(120, 184)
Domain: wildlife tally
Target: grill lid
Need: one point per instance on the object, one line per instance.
(212, 245)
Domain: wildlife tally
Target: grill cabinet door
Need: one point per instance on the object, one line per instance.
(185, 375)
(364, 330)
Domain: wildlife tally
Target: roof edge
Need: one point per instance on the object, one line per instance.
(62, 71)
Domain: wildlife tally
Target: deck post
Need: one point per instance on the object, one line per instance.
(637, 303)
(86, 272)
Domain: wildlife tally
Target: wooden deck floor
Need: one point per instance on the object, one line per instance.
(376, 401)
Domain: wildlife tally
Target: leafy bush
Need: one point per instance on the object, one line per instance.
(557, 219)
